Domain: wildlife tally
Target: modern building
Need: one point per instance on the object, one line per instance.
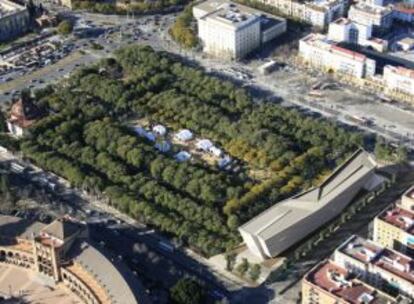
(378, 266)
(23, 114)
(379, 17)
(398, 80)
(287, 222)
(329, 283)
(229, 30)
(61, 253)
(346, 30)
(14, 20)
(320, 52)
(394, 227)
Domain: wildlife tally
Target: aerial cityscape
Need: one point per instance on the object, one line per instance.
(207, 152)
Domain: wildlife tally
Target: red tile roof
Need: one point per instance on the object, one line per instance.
(400, 218)
(336, 281)
(349, 53)
(396, 263)
(24, 113)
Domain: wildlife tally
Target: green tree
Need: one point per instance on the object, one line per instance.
(243, 267)
(187, 291)
(254, 272)
(230, 260)
(65, 27)
(402, 154)
(232, 222)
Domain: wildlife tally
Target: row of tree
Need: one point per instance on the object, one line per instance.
(87, 140)
(124, 7)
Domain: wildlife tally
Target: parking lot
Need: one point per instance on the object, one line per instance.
(95, 37)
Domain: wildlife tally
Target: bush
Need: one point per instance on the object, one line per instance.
(65, 27)
(243, 267)
(255, 271)
(230, 261)
(187, 291)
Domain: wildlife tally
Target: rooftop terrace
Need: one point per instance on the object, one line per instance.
(371, 9)
(396, 263)
(234, 14)
(361, 249)
(386, 259)
(400, 218)
(337, 281)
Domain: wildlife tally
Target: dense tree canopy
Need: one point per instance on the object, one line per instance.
(89, 141)
(65, 27)
(125, 6)
(187, 291)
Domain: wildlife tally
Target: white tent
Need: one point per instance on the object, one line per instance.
(222, 162)
(150, 136)
(204, 144)
(215, 151)
(184, 135)
(182, 156)
(140, 131)
(159, 130)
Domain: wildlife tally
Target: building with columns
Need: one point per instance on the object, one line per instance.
(61, 253)
(14, 20)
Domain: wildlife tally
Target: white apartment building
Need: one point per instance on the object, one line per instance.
(375, 2)
(321, 13)
(399, 80)
(230, 30)
(346, 30)
(318, 13)
(318, 51)
(379, 17)
(378, 266)
(14, 20)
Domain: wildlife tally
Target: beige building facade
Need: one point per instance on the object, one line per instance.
(320, 52)
(394, 227)
(59, 253)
